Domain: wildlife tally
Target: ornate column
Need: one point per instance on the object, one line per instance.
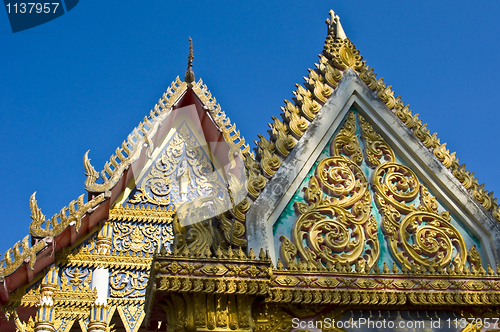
(99, 310)
(98, 318)
(45, 315)
(104, 238)
(100, 282)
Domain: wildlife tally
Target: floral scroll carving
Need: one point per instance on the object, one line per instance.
(165, 184)
(335, 223)
(416, 235)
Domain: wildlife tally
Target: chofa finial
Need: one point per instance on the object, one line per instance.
(189, 77)
(334, 26)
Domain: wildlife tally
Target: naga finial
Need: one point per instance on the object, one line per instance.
(189, 77)
(334, 26)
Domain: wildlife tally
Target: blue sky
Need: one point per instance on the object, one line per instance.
(86, 79)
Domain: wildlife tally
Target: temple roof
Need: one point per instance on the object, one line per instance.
(49, 236)
(339, 57)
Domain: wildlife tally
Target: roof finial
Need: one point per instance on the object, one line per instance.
(334, 26)
(189, 77)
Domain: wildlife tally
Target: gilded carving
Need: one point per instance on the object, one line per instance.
(216, 269)
(129, 284)
(271, 318)
(231, 135)
(76, 279)
(320, 89)
(130, 237)
(474, 258)
(149, 214)
(60, 221)
(269, 161)
(113, 169)
(21, 252)
(332, 74)
(343, 53)
(183, 172)
(284, 141)
(377, 150)
(255, 181)
(337, 227)
(423, 236)
(346, 142)
(287, 280)
(297, 123)
(327, 282)
(440, 284)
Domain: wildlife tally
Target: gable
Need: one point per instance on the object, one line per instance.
(184, 157)
(158, 181)
(280, 203)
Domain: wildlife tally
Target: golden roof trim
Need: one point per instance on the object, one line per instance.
(113, 170)
(140, 213)
(60, 221)
(310, 283)
(112, 260)
(231, 135)
(21, 252)
(338, 55)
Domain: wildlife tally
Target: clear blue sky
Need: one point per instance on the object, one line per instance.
(86, 79)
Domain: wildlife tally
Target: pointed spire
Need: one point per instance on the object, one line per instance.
(334, 26)
(189, 77)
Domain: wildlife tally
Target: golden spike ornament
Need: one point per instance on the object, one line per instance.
(68, 216)
(36, 214)
(189, 77)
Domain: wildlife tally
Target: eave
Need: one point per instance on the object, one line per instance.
(44, 252)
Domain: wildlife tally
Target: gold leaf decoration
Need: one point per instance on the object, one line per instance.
(346, 141)
(269, 162)
(343, 53)
(297, 123)
(255, 180)
(284, 141)
(377, 150)
(335, 228)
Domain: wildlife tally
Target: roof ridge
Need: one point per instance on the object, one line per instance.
(142, 134)
(338, 55)
(231, 135)
(23, 252)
